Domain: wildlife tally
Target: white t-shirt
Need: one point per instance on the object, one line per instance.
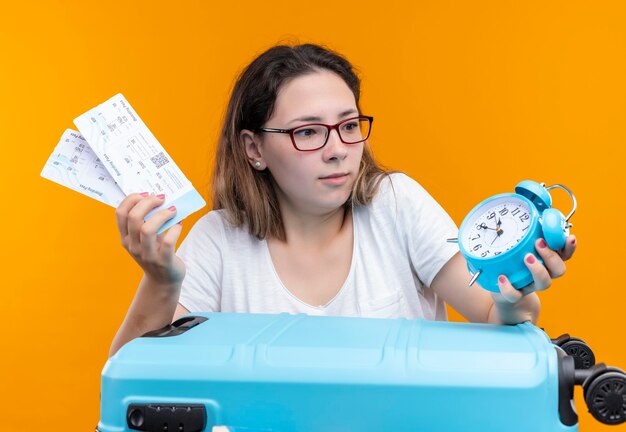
(399, 246)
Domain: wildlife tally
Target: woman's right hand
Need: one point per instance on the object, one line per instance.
(154, 253)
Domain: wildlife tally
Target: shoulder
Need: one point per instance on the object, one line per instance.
(218, 220)
(398, 189)
(398, 183)
(216, 227)
(212, 227)
(403, 201)
(214, 222)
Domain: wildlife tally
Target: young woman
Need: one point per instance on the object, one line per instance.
(305, 221)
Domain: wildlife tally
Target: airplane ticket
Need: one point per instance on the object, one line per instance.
(134, 159)
(74, 165)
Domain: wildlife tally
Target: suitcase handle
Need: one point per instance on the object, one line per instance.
(178, 327)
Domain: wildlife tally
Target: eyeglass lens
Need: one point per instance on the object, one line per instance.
(312, 137)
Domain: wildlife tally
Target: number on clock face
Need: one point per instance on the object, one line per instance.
(496, 227)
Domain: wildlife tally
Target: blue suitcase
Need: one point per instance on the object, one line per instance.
(284, 372)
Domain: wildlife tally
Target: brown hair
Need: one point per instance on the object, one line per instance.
(248, 195)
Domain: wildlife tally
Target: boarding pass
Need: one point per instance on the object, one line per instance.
(112, 136)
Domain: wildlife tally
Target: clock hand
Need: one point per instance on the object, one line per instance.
(499, 231)
(484, 226)
(495, 238)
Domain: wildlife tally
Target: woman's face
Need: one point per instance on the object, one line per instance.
(318, 181)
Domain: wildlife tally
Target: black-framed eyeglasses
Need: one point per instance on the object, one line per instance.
(314, 136)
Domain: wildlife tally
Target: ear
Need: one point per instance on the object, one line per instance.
(251, 143)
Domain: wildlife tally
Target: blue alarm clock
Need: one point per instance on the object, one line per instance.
(496, 234)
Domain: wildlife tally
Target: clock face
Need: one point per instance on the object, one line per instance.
(496, 227)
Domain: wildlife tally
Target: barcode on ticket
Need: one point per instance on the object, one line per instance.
(159, 160)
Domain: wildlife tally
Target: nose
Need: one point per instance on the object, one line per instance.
(335, 149)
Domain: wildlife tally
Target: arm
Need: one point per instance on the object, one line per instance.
(153, 307)
(156, 301)
(509, 306)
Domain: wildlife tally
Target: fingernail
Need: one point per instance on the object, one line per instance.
(502, 279)
(172, 208)
(542, 244)
(144, 194)
(180, 223)
(573, 242)
(161, 196)
(530, 259)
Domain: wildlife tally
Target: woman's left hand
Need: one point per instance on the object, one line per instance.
(510, 298)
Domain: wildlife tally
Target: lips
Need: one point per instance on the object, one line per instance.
(336, 175)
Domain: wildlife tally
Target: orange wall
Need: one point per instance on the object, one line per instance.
(469, 98)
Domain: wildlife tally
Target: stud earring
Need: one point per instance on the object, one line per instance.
(257, 164)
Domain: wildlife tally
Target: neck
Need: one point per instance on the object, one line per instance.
(313, 231)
